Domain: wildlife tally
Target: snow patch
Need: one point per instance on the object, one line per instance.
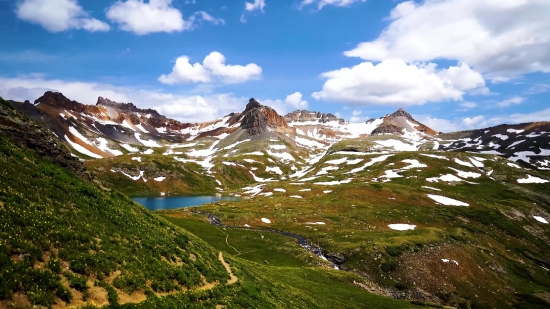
(434, 156)
(401, 227)
(81, 149)
(129, 148)
(514, 131)
(431, 188)
(463, 163)
(370, 163)
(274, 169)
(446, 201)
(397, 145)
(540, 219)
(532, 179)
(502, 137)
(148, 143)
(277, 147)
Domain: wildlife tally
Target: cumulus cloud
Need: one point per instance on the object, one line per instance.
(257, 5)
(322, 3)
(186, 108)
(500, 38)
(290, 103)
(213, 68)
(58, 15)
(143, 18)
(394, 82)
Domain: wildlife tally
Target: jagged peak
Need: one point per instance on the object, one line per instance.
(257, 117)
(52, 98)
(401, 113)
(306, 115)
(126, 107)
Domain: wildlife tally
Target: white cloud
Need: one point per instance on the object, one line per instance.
(355, 116)
(257, 5)
(468, 104)
(143, 18)
(538, 88)
(356, 113)
(500, 38)
(322, 3)
(394, 82)
(295, 100)
(290, 103)
(212, 68)
(512, 101)
(58, 15)
(186, 108)
(207, 17)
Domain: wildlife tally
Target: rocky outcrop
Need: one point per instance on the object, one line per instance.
(399, 123)
(126, 107)
(388, 129)
(305, 116)
(256, 118)
(26, 133)
(57, 99)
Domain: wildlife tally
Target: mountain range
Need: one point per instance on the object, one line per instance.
(109, 129)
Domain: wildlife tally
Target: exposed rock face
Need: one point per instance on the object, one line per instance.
(57, 99)
(336, 258)
(399, 123)
(256, 118)
(304, 116)
(23, 131)
(126, 107)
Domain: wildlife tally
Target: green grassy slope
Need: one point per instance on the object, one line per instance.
(66, 242)
(501, 250)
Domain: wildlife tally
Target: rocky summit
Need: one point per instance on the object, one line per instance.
(401, 123)
(309, 116)
(257, 118)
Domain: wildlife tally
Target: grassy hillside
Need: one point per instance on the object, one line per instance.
(181, 178)
(490, 254)
(68, 242)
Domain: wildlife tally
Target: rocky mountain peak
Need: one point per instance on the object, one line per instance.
(257, 118)
(252, 103)
(401, 113)
(126, 107)
(401, 122)
(305, 116)
(57, 99)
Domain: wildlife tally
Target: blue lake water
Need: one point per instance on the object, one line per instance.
(161, 203)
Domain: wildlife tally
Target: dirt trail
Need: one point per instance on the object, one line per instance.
(232, 278)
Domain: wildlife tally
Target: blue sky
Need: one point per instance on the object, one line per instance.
(454, 64)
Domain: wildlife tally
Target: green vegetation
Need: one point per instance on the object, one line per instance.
(65, 241)
(496, 233)
(181, 178)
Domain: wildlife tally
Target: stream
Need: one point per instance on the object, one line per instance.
(302, 241)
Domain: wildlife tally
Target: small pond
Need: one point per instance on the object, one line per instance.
(162, 203)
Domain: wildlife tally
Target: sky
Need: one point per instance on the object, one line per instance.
(453, 64)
